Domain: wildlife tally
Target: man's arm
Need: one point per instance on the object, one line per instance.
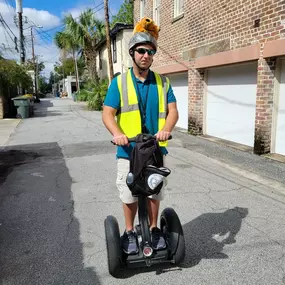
(109, 121)
(171, 120)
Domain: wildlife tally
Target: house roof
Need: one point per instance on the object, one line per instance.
(116, 29)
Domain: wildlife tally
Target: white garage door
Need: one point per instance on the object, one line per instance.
(231, 103)
(280, 126)
(179, 83)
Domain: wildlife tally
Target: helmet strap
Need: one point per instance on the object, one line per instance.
(141, 70)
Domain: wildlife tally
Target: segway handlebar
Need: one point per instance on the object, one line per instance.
(147, 136)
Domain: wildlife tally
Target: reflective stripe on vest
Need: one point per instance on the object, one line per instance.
(129, 117)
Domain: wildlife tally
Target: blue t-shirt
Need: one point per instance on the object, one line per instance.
(147, 95)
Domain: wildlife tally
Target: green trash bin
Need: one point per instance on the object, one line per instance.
(23, 107)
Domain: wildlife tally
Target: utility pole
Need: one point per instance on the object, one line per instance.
(108, 38)
(19, 9)
(34, 62)
(37, 70)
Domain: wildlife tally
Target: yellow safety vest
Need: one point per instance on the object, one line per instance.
(129, 117)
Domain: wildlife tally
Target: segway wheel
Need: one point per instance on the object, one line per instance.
(172, 228)
(113, 243)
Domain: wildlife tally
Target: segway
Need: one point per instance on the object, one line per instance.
(147, 256)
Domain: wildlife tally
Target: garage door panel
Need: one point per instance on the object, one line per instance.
(233, 132)
(227, 75)
(280, 127)
(231, 103)
(179, 85)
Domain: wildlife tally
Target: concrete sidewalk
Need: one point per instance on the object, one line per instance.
(7, 128)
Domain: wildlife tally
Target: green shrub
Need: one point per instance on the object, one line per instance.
(94, 94)
(83, 95)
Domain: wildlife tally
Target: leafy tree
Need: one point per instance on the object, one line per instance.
(66, 67)
(87, 32)
(55, 77)
(67, 42)
(125, 13)
(44, 86)
(29, 65)
(13, 74)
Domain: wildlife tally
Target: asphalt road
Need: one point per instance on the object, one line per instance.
(57, 185)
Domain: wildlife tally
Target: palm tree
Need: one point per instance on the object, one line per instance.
(88, 31)
(66, 41)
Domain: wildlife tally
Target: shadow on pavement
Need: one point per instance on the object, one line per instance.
(207, 235)
(42, 109)
(40, 237)
(205, 238)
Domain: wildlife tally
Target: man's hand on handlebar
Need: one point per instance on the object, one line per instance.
(120, 140)
(123, 140)
(163, 135)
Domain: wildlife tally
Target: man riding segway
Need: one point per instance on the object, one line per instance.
(143, 102)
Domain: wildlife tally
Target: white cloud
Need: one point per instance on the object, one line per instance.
(76, 11)
(4, 8)
(42, 18)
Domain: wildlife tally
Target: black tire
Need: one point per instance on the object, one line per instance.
(172, 228)
(113, 243)
(19, 116)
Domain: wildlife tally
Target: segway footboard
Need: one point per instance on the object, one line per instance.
(139, 260)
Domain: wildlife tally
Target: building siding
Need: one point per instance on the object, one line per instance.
(208, 28)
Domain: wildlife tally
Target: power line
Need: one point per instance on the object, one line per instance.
(6, 31)
(42, 37)
(4, 23)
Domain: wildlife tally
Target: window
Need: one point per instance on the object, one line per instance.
(156, 11)
(142, 7)
(114, 49)
(178, 8)
(100, 60)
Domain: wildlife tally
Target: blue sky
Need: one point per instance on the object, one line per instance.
(54, 7)
(58, 7)
(48, 14)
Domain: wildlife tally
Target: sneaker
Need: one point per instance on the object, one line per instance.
(157, 239)
(130, 242)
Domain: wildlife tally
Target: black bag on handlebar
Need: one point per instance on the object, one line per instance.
(145, 153)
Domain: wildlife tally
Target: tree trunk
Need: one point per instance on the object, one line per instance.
(76, 72)
(92, 64)
(108, 38)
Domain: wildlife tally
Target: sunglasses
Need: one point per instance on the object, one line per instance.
(144, 50)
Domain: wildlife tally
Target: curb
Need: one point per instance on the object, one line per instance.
(10, 125)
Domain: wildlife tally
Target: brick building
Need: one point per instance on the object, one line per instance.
(224, 60)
